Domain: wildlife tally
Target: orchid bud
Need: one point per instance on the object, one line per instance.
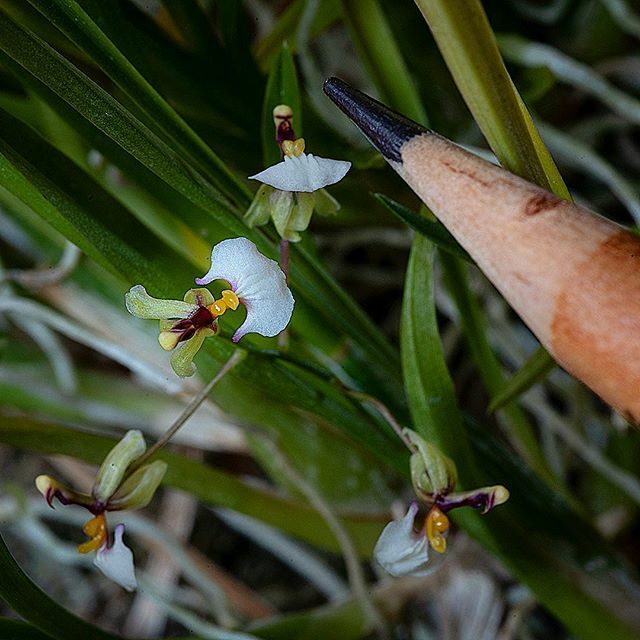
(432, 473)
(115, 465)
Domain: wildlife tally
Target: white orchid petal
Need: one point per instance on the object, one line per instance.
(303, 173)
(257, 281)
(399, 551)
(116, 562)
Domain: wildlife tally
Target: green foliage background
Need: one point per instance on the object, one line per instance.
(178, 108)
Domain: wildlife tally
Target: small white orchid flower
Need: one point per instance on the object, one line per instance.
(257, 281)
(118, 486)
(400, 551)
(294, 188)
(116, 561)
(306, 173)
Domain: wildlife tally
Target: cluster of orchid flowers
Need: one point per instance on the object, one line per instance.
(292, 190)
(288, 197)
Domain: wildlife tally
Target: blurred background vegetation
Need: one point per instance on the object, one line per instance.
(126, 132)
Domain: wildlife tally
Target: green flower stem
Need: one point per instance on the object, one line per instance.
(378, 50)
(387, 415)
(357, 578)
(238, 356)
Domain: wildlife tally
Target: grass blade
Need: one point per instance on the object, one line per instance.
(536, 368)
(431, 229)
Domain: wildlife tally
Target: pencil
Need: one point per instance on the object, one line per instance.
(572, 275)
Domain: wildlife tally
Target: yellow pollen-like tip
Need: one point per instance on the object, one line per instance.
(436, 525)
(43, 484)
(293, 147)
(500, 495)
(230, 299)
(217, 308)
(168, 340)
(96, 529)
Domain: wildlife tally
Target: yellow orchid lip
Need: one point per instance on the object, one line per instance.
(96, 529)
(436, 525)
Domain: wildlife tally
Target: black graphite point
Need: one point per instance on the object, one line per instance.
(386, 129)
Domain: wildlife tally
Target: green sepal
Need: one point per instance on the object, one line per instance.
(115, 465)
(326, 204)
(140, 304)
(259, 210)
(183, 355)
(291, 213)
(138, 489)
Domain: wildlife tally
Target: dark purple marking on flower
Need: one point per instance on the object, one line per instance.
(284, 130)
(202, 318)
(66, 496)
(484, 500)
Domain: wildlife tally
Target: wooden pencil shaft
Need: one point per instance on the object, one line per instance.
(572, 275)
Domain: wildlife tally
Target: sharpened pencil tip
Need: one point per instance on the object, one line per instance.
(386, 129)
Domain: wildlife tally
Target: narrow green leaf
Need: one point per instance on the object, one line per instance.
(17, 630)
(24, 51)
(432, 400)
(77, 25)
(535, 369)
(35, 606)
(431, 229)
(520, 432)
(468, 45)
(282, 88)
(73, 203)
(379, 52)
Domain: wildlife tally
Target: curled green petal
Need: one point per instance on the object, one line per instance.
(183, 355)
(281, 208)
(199, 297)
(138, 489)
(302, 211)
(432, 472)
(291, 213)
(140, 304)
(259, 211)
(114, 466)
